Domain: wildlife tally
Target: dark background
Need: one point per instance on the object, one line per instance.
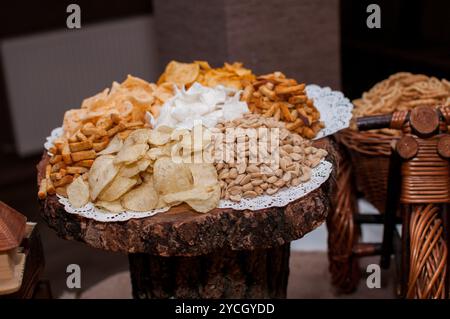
(415, 37)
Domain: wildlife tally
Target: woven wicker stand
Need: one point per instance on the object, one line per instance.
(412, 172)
(221, 254)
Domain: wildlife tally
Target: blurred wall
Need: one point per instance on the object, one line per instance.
(49, 73)
(301, 38)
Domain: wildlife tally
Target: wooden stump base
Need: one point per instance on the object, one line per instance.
(261, 273)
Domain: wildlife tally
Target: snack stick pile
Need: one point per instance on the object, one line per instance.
(73, 156)
(274, 95)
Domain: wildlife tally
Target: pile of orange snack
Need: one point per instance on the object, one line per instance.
(184, 74)
(274, 95)
(73, 156)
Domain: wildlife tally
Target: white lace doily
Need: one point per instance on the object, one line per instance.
(335, 109)
(56, 133)
(92, 212)
(319, 175)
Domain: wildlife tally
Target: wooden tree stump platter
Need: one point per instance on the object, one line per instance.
(224, 253)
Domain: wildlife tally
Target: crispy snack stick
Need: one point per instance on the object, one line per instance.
(285, 111)
(55, 159)
(50, 189)
(282, 89)
(89, 129)
(81, 136)
(277, 114)
(80, 146)
(63, 181)
(66, 154)
(298, 99)
(101, 145)
(267, 92)
(116, 129)
(56, 167)
(248, 91)
(53, 150)
(270, 112)
(294, 125)
(84, 163)
(105, 123)
(76, 170)
(133, 124)
(42, 193)
(83, 155)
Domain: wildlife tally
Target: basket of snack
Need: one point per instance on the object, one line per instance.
(370, 150)
(206, 137)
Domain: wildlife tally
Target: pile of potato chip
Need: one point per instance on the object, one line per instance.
(185, 74)
(139, 174)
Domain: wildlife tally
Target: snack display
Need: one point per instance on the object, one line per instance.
(185, 74)
(243, 178)
(402, 91)
(274, 95)
(134, 148)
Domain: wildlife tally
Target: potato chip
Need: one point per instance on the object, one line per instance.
(161, 135)
(78, 192)
(131, 154)
(161, 203)
(139, 136)
(112, 207)
(164, 92)
(135, 168)
(181, 73)
(205, 176)
(101, 174)
(119, 186)
(178, 134)
(156, 152)
(170, 177)
(113, 147)
(142, 198)
(204, 206)
(196, 193)
(133, 82)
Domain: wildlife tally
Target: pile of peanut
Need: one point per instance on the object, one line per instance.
(274, 95)
(239, 178)
(73, 156)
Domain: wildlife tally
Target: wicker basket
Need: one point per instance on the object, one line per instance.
(370, 153)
